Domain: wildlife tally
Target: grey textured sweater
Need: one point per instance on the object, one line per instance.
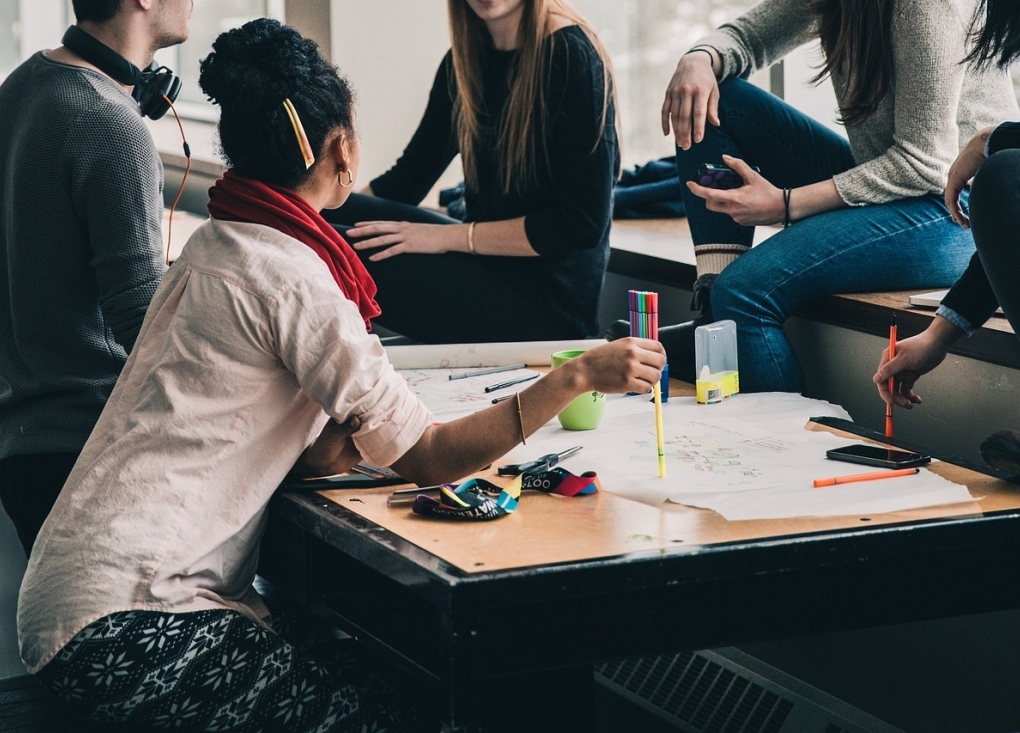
(80, 249)
(934, 106)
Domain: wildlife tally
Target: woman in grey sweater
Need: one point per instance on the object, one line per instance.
(990, 165)
(862, 215)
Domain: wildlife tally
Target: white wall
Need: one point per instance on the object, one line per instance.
(816, 100)
(390, 51)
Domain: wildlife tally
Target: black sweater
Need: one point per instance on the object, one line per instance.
(80, 249)
(567, 211)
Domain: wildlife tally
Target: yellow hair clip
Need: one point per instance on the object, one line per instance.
(299, 132)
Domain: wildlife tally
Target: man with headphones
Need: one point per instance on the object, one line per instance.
(81, 248)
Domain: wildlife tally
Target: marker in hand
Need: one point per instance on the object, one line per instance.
(892, 382)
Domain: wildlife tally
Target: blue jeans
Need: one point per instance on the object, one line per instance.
(906, 244)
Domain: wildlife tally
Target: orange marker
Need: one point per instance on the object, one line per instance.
(892, 380)
(819, 482)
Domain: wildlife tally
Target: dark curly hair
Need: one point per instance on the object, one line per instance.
(249, 73)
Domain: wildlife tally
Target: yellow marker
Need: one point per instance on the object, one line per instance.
(658, 430)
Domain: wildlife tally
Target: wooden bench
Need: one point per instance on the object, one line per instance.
(661, 252)
(27, 707)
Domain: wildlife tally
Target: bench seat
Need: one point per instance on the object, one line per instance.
(661, 252)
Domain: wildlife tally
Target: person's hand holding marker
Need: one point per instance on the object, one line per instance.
(915, 357)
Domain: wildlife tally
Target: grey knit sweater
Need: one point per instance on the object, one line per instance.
(934, 106)
(80, 249)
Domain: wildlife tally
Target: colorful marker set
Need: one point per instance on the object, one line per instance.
(644, 314)
(644, 323)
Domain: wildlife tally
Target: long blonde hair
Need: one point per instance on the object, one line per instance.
(521, 147)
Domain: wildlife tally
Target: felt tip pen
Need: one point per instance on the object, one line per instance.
(497, 400)
(819, 482)
(407, 496)
(511, 383)
(491, 370)
(892, 381)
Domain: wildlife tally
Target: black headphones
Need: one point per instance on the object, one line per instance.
(150, 85)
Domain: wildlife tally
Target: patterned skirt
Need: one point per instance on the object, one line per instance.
(219, 671)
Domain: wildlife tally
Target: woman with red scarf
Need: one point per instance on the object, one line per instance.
(254, 355)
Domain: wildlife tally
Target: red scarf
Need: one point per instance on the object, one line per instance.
(236, 198)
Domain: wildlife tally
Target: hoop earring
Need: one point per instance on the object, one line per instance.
(340, 179)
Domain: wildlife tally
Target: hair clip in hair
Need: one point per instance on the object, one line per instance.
(299, 132)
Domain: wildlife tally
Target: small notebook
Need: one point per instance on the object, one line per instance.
(933, 300)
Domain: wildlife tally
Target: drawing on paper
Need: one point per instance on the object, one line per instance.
(740, 459)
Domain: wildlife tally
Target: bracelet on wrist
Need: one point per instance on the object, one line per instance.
(786, 207)
(711, 56)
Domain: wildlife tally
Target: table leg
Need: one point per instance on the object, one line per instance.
(560, 700)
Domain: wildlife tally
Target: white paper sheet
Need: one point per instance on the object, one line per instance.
(748, 457)
(442, 356)
(449, 399)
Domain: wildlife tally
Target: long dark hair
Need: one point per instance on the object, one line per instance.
(856, 38)
(995, 33)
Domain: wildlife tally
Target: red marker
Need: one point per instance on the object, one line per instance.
(892, 381)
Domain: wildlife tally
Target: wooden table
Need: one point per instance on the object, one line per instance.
(506, 618)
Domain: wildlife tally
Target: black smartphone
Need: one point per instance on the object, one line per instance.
(876, 455)
(720, 177)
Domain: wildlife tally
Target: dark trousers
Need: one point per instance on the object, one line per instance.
(219, 670)
(447, 298)
(28, 487)
(995, 220)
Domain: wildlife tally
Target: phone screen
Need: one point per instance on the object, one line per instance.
(720, 177)
(876, 455)
(717, 176)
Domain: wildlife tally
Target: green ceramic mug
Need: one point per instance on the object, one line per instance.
(585, 411)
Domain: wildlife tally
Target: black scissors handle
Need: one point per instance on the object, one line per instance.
(543, 463)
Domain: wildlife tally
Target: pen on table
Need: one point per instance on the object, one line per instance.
(406, 496)
(367, 471)
(497, 400)
(819, 482)
(892, 381)
(512, 382)
(491, 370)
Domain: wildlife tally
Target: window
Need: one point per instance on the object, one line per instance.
(209, 20)
(10, 35)
(645, 39)
(27, 26)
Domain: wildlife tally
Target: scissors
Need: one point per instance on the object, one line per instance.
(543, 463)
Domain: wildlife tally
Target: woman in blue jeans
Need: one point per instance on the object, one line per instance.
(990, 165)
(862, 215)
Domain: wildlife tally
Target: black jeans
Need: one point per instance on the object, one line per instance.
(449, 298)
(28, 487)
(995, 221)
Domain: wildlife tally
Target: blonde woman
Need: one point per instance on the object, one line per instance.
(525, 96)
